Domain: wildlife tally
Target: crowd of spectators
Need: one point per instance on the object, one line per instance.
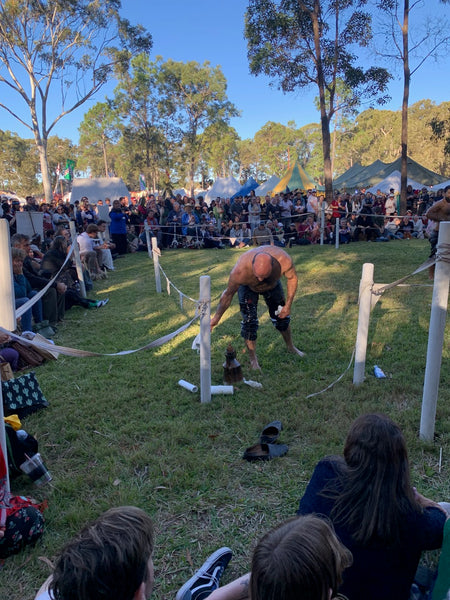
(283, 220)
(36, 261)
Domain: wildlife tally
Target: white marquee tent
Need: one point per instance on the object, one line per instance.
(393, 181)
(98, 188)
(223, 187)
(267, 186)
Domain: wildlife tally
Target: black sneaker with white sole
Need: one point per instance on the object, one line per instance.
(207, 578)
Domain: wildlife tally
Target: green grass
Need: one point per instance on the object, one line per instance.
(119, 430)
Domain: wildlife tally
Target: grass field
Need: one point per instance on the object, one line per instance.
(119, 430)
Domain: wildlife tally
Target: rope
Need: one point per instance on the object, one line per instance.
(337, 380)
(87, 353)
(428, 263)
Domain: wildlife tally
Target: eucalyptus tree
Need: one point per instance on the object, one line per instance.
(193, 96)
(313, 42)
(412, 46)
(55, 55)
(99, 131)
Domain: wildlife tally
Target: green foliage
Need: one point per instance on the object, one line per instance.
(119, 430)
(99, 132)
(64, 51)
(219, 148)
(193, 96)
(299, 44)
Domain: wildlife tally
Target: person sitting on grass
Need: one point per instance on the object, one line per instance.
(300, 559)
(52, 262)
(377, 514)
(112, 559)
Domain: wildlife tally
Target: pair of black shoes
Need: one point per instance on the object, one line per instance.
(267, 448)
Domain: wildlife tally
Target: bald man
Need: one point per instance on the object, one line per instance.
(258, 271)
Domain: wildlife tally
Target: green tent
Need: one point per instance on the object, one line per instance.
(295, 178)
(372, 175)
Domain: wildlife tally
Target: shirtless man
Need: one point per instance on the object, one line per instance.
(258, 271)
(440, 211)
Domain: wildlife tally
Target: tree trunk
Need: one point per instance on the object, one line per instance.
(105, 158)
(324, 119)
(45, 173)
(406, 82)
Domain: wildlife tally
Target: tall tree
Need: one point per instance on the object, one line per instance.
(55, 55)
(137, 101)
(303, 43)
(193, 96)
(429, 41)
(219, 148)
(99, 131)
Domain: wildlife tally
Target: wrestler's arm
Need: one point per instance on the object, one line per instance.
(438, 212)
(226, 298)
(291, 286)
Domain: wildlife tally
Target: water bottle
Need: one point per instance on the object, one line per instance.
(378, 372)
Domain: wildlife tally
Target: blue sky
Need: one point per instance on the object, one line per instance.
(207, 30)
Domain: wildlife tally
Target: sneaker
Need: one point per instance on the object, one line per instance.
(207, 578)
(101, 303)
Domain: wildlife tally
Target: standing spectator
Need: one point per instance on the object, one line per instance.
(118, 227)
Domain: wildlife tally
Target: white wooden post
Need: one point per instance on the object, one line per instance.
(336, 233)
(439, 306)
(322, 223)
(148, 240)
(76, 255)
(155, 255)
(365, 302)
(7, 315)
(205, 339)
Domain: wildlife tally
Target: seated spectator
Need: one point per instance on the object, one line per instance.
(7, 354)
(418, 228)
(391, 228)
(60, 217)
(376, 513)
(105, 256)
(23, 293)
(308, 231)
(262, 236)
(406, 226)
(112, 558)
(53, 261)
(364, 225)
(210, 237)
(53, 301)
(90, 251)
(301, 558)
(344, 232)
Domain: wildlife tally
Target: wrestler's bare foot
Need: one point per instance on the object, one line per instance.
(254, 363)
(294, 350)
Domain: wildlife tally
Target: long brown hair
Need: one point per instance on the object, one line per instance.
(376, 493)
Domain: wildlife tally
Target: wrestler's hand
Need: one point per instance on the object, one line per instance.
(284, 312)
(214, 321)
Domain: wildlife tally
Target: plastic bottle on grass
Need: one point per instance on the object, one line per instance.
(378, 372)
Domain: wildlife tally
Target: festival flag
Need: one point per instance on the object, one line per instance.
(68, 171)
(142, 183)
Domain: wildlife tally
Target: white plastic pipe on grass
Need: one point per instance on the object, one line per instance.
(188, 386)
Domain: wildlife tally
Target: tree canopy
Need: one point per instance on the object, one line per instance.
(55, 55)
(303, 43)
